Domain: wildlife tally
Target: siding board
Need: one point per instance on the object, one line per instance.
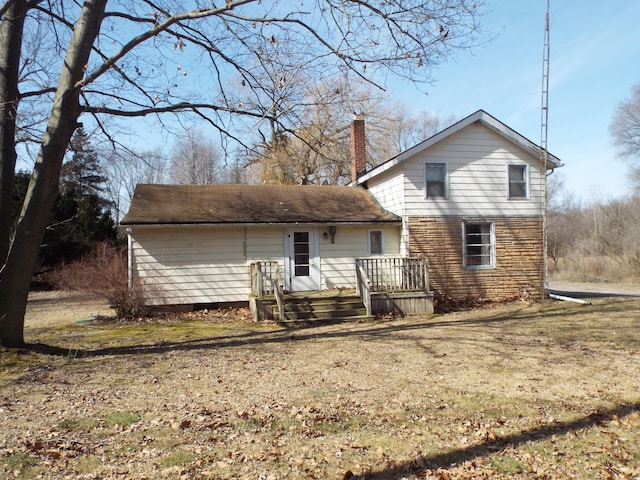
(210, 265)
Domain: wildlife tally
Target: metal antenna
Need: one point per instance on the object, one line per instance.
(544, 155)
(545, 89)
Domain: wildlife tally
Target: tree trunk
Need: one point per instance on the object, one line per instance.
(11, 28)
(15, 276)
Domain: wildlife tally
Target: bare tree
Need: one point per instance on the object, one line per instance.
(148, 58)
(563, 219)
(124, 169)
(319, 151)
(196, 160)
(625, 130)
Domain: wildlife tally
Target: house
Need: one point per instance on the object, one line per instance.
(196, 243)
(468, 202)
(472, 201)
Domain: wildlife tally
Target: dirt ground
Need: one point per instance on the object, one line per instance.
(547, 390)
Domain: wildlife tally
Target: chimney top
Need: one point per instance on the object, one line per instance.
(358, 148)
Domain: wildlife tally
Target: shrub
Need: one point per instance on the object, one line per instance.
(103, 271)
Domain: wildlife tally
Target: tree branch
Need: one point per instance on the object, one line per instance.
(192, 15)
(175, 108)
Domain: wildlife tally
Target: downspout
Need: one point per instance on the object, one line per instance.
(564, 298)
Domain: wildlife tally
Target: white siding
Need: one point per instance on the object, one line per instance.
(477, 164)
(388, 190)
(351, 242)
(201, 265)
(191, 265)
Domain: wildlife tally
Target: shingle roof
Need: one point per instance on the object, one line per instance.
(246, 204)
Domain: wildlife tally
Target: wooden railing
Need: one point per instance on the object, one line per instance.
(394, 274)
(278, 290)
(362, 286)
(266, 279)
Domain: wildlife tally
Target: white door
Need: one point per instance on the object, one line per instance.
(302, 261)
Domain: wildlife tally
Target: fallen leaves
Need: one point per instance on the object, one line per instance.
(373, 400)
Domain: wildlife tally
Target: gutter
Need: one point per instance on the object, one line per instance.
(127, 227)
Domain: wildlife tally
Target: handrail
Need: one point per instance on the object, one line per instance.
(262, 274)
(363, 286)
(267, 279)
(278, 290)
(388, 274)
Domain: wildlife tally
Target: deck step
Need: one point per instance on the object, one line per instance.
(327, 321)
(301, 309)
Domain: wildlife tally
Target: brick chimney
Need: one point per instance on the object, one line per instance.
(358, 149)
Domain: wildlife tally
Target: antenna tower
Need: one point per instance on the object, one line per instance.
(545, 88)
(544, 123)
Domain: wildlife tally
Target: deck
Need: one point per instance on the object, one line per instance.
(397, 286)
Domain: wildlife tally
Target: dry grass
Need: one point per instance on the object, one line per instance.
(519, 391)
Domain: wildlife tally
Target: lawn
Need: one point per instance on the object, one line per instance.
(547, 390)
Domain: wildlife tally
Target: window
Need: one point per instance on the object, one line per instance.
(517, 181)
(375, 242)
(301, 253)
(478, 245)
(435, 179)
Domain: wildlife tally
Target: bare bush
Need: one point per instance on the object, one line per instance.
(104, 272)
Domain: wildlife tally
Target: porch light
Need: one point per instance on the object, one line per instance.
(332, 232)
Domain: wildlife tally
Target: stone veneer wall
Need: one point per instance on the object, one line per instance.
(519, 260)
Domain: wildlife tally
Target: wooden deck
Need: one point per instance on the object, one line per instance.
(340, 305)
(395, 285)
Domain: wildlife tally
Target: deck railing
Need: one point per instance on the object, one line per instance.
(363, 286)
(394, 274)
(266, 279)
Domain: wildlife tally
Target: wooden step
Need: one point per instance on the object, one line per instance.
(311, 308)
(325, 321)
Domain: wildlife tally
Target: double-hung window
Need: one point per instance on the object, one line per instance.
(478, 245)
(435, 180)
(375, 242)
(518, 181)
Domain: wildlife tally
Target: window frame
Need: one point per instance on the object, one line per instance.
(524, 182)
(445, 181)
(372, 231)
(492, 245)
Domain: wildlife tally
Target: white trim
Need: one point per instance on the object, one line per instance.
(314, 258)
(527, 185)
(129, 259)
(492, 237)
(445, 180)
(381, 242)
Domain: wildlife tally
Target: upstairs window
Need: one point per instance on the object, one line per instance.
(435, 179)
(478, 245)
(518, 181)
(375, 242)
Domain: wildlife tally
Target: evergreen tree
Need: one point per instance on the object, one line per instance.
(81, 216)
(82, 171)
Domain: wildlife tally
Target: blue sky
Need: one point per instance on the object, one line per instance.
(594, 62)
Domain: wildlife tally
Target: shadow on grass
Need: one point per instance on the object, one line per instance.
(405, 330)
(490, 447)
(391, 330)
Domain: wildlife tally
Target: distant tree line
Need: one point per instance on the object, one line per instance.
(598, 241)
